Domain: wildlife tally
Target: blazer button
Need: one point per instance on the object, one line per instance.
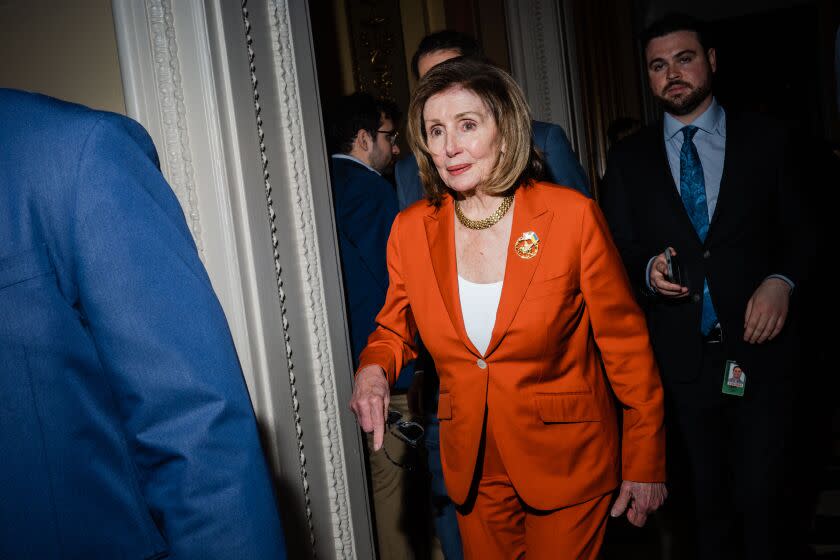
(482, 364)
(707, 254)
(695, 298)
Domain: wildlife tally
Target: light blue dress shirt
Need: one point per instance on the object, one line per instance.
(710, 141)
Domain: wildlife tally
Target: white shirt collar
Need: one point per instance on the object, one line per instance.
(357, 160)
(712, 121)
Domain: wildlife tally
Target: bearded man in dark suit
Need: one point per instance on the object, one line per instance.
(716, 191)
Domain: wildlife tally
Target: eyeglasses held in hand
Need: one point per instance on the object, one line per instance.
(409, 432)
(391, 135)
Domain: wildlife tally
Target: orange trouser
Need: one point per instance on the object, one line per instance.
(496, 524)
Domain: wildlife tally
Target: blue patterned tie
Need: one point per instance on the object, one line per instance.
(693, 193)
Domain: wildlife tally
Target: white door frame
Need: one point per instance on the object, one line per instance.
(229, 94)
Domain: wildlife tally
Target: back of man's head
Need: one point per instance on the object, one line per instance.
(354, 112)
(673, 22)
(444, 41)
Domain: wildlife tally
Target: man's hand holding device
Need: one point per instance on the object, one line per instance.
(666, 275)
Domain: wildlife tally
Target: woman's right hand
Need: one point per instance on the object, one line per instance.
(371, 396)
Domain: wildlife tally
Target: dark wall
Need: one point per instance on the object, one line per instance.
(769, 63)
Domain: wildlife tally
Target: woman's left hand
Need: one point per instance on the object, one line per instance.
(643, 498)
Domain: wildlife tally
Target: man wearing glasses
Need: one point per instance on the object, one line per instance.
(362, 135)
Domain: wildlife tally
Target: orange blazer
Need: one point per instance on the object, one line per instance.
(562, 314)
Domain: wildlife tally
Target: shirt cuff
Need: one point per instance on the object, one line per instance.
(785, 278)
(647, 275)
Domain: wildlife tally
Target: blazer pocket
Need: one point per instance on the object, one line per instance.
(444, 407)
(572, 406)
(24, 265)
(556, 285)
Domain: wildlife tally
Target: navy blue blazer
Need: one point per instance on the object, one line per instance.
(365, 208)
(562, 166)
(125, 425)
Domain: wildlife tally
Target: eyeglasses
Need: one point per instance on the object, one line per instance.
(391, 135)
(409, 432)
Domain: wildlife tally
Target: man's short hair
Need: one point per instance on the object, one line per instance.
(520, 163)
(673, 22)
(354, 112)
(444, 41)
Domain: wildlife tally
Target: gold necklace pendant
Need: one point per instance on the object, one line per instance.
(487, 222)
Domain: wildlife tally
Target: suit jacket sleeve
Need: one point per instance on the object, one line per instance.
(561, 161)
(794, 222)
(163, 341)
(617, 206)
(366, 211)
(393, 343)
(621, 334)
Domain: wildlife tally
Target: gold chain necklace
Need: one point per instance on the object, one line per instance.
(487, 222)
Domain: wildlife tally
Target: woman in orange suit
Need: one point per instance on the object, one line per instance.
(515, 286)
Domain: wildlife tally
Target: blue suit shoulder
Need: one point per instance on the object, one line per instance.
(48, 114)
(409, 187)
(562, 165)
(61, 128)
(358, 191)
(559, 195)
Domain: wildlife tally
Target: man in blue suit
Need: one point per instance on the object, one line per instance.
(125, 423)
(562, 168)
(362, 133)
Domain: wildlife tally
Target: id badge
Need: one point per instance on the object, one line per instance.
(734, 379)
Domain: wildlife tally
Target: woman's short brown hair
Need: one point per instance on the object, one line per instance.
(519, 163)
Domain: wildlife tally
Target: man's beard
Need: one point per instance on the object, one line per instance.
(382, 161)
(687, 102)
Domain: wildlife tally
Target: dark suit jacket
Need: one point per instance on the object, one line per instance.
(365, 208)
(757, 230)
(125, 425)
(562, 166)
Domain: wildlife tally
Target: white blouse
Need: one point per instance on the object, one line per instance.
(479, 303)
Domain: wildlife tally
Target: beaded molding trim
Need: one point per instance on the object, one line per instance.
(278, 272)
(173, 113)
(299, 180)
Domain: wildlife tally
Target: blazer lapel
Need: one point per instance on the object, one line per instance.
(529, 215)
(440, 234)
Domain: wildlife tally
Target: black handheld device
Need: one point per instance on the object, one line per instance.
(674, 274)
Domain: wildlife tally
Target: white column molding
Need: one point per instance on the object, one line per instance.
(542, 61)
(228, 93)
(173, 134)
(157, 95)
(299, 181)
